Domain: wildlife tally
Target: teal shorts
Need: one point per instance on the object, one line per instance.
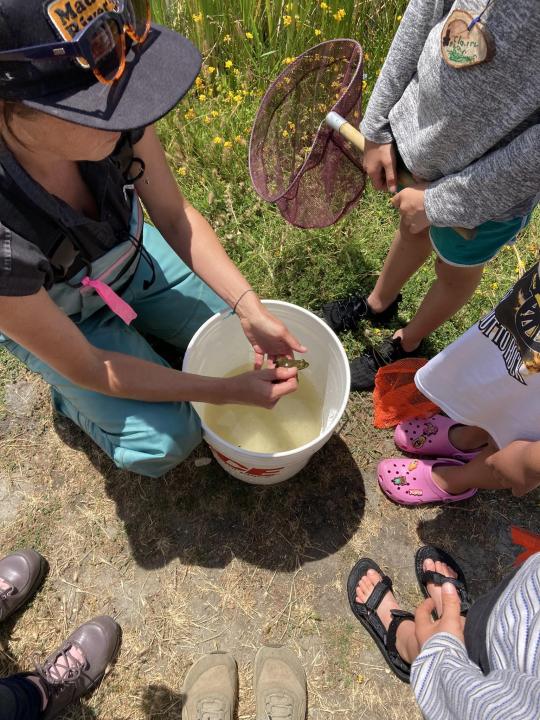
(486, 243)
(147, 438)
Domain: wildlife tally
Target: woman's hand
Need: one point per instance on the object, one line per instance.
(380, 164)
(517, 466)
(268, 335)
(411, 206)
(261, 387)
(450, 621)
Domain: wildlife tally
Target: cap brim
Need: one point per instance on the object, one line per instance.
(158, 74)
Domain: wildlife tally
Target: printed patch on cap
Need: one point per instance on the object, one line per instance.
(69, 17)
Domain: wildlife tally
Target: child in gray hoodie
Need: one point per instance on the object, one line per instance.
(458, 104)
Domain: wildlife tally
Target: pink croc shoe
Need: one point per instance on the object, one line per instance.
(410, 482)
(430, 437)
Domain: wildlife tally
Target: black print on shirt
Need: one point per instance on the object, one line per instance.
(514, 326)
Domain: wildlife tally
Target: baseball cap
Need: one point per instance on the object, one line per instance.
(158, 74)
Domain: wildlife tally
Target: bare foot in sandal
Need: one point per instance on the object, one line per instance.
(406, 642)
(435, 591)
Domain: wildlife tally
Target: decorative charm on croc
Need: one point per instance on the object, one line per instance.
(415, 492)
(419, 442)
(400, 481)
(412, 465)
(430, 429)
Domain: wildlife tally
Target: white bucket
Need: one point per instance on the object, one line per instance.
(220, 347)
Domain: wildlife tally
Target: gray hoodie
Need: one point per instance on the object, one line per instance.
(473, 133)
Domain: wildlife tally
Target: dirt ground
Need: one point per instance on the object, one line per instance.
(199, 561)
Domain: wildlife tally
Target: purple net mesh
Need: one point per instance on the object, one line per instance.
(312, 174)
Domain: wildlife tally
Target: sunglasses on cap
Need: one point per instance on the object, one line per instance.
(101, 45)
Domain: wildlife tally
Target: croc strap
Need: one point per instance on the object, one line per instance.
(398, 616)
(430, 576)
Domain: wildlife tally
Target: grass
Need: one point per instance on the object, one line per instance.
(197, 561)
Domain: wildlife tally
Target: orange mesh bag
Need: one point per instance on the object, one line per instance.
(396, 398)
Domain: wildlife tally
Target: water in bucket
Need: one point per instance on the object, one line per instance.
(295, 421)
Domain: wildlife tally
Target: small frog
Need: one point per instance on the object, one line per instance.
(286, 362)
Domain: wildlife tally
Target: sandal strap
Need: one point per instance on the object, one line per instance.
(430, 576)
(383, 587)
(369, 608)
(398, 616)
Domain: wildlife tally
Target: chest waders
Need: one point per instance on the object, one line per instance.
(91, 261)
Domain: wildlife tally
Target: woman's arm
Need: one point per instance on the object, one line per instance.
(193, 239)
(36, 323)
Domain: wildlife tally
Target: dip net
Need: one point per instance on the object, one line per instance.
(308, 170)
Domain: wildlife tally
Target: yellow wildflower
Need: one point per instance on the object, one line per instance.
(317, 32)
(494, 285)
(287, 20)
(199, 82)
(207, 120)
(238, 98)
(366, 56)
(399, 18)
(249, 36)
(288, 60)
(238, 138)
(285, 134)
(227, 144)
(190, 114)
(364, 84)
(217, 140)
(210, 69)
(227, 39)
(229, 63)
(324, 6)
(182, 171)
(236, 71)
(202, 98)
(197, 18)
(292, 126)
(339, 15)
(215, 113)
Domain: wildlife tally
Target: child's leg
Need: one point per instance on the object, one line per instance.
(450, 291)
(475, 474)
(407, 253)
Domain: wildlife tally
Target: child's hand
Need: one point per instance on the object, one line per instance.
(380, 165)
(449, 622)
(410, 203)
(517, 466)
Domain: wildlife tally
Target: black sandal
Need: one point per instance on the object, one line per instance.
(430, 552)
(366, 613)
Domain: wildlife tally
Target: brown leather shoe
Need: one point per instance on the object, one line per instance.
(23, 571)
(76, 667)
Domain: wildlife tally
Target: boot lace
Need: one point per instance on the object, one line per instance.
(63, 670)
(5, 594)
(211, 709)
(278, 706)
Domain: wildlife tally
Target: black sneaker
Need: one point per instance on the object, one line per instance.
(345, 314)
(364, 368)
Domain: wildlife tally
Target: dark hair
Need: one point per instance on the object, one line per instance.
(10, 108)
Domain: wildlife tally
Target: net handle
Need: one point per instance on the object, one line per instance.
(355, 137)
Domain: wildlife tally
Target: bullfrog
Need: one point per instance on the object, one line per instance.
(286, 362)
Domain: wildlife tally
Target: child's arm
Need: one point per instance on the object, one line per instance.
(400, 65)
(485, 190)
(517, 466)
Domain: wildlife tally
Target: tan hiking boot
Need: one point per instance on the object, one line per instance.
(280, 685)
(210, 690)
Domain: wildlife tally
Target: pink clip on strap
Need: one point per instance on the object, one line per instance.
(110, 298)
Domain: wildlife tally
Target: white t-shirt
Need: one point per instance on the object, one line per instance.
(490, 376)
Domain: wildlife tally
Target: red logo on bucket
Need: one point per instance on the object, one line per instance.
(253, 472)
